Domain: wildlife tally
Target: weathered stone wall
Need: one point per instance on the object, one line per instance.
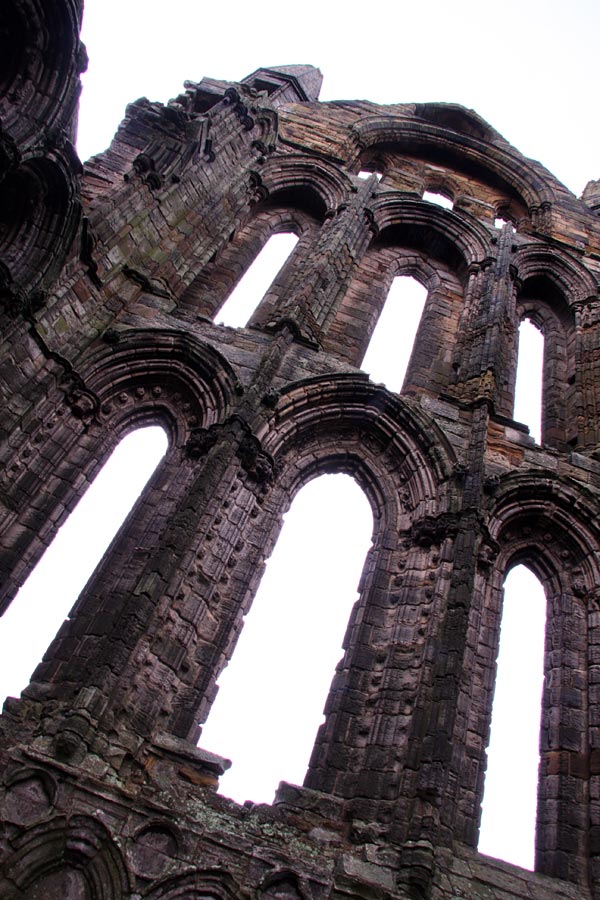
(111, 278)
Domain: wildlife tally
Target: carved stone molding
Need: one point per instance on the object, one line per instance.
(587, 313)
(433, 530)
(258, 465)
(201, 440)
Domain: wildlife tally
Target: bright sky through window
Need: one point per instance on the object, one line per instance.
(271, 695)
(163, 55)
(392, 341)
(528, 388)
(513, 754)
(438, 199)
(50, 591)
(255, 282)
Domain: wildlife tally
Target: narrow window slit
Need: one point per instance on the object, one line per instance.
(511, 782)
(52, 588)
(255, 282)
(529, 380)
(438, 199)
(391, 344)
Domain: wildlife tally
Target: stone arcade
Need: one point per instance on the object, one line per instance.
(110, 278)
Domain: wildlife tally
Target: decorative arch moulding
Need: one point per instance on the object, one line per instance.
(111, 281)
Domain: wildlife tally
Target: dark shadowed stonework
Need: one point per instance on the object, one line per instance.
(110, 276)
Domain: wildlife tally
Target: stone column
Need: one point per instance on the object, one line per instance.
(318, 285)
(563, 794)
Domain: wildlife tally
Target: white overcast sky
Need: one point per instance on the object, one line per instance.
(530, 67)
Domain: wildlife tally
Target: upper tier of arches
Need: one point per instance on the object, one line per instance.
(494, 163)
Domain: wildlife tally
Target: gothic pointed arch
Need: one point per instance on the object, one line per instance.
(308, 416)
(345, 424)
(165, 368)
(560, 297)
(321, 425)
(164, 378)
(570, 277)
(547, 517)
(541, 301)
(495, 162)
(457, 239)
(548, 525)
(213, 284)
(433, 246)
(287, 194)
(295, 174)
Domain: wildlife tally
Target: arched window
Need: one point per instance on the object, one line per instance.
(45, 599)
(392, 340)
(511, 781)
(528, 387)
(251, 288)
(438, 199)
(272, 694)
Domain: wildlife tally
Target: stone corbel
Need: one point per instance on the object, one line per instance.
(86, 252)
(233, 98)
(486, 388)
(257, 463)
(301, 324)
(541, 217)
(147, 284)
(144, 167)
(433, 529)
(371, 223)
(256, 191)
(417, 867)
(201, 440)
(586, 312)
(488, 553)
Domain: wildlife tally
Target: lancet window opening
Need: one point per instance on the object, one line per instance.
(256, 280)
(391, 344)
(508, 825)
(53, 586)
(269, 224)
(326, 553)
(529, 378)
(553, 356)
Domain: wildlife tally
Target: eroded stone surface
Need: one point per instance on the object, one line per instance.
(110, 279)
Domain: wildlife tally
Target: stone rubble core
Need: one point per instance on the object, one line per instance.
(111, 275)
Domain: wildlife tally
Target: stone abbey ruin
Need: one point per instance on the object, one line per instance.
(111, 275)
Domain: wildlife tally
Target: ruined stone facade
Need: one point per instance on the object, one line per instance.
(110, 278)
